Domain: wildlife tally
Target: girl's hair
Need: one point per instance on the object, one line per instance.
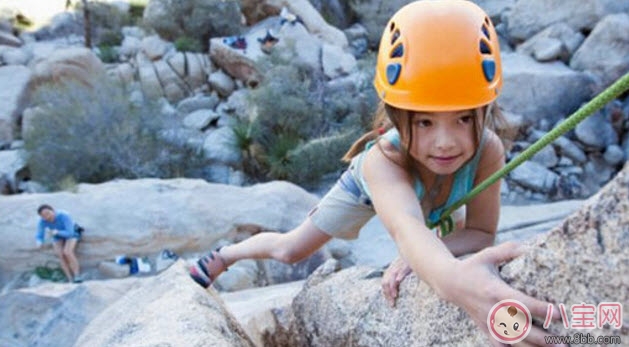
(381, 123)
(387, 117)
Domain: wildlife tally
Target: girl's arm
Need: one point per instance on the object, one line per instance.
(459, 243)
(467, 241)
(472, 283)
(482, 212)
(396, 204)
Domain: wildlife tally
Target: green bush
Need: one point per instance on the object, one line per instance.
(50, 273)
(95, 135)
(110, 38)
(300, 128)
(136, 10)
(104, 15)
(107, 54)
(316, 157)
(188, 44)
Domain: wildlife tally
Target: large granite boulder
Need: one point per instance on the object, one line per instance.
(584, 260)
(527, 18)
(166, 310)
(542, 91)
(142, 217)
(77, 64)
(14, 81)
(605, 52)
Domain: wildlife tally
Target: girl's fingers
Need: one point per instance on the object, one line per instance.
(501, 253)
(389, 295)
(393, 292)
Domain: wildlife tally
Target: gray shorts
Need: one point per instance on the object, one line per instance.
(344, 210)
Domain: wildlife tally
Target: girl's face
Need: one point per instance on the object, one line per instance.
(443, 141)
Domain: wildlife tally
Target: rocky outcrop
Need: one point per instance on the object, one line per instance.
(13, 99)
(374, 15)
(584, 260)
(609, 63)
(552, 64)
(333, 308)
(169, 310)
(166, 310)
(234, 63)
(313, 21)
(142, 217)
(61, 311)
(12, 170)
(73, 64)
(530, 17)
(549, 82)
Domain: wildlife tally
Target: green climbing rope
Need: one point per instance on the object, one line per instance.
(609, 94)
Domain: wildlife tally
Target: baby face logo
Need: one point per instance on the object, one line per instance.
(509, 321)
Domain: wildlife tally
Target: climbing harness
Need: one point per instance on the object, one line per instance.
(445, 223)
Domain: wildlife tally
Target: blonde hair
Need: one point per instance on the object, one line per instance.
(387, 117)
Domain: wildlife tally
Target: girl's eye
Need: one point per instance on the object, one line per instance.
(465, 119)
(423, 123)
(516, 326)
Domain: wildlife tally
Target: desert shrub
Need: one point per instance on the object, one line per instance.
(104, 15)
(310, 160)
(110, 38)
(301, 127)
(188, 44)
(107, 54)
(96, 134)
(136, 9)
(50, 272)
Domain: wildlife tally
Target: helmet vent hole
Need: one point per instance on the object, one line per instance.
(487, 21)
(489, 69)
(395, 36)
(486, 32)
(392, 26)
(393, 72)
(484, 47)
(398, 51)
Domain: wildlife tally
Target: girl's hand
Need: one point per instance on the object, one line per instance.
(475, 286)
(393, 276)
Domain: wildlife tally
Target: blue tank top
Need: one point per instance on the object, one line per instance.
(462, 184)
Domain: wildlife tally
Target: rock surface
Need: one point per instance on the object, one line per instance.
(584, 260)
(132, 217)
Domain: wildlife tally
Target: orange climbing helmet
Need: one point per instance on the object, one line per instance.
(439, 55)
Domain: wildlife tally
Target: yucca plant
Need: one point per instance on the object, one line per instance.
(277, 158)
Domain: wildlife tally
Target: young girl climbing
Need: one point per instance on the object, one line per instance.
(438, 74)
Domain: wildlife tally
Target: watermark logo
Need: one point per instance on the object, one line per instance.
(509, 321)
(588, 316)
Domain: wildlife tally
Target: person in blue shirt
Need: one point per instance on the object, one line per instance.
(65, 237)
